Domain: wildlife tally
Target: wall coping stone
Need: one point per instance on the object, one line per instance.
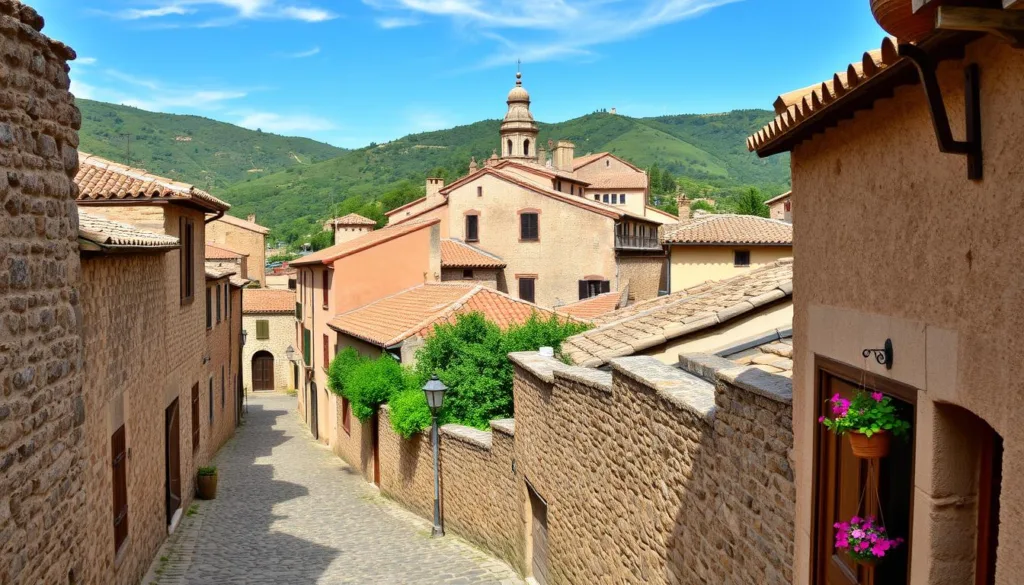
(705, 365)
(504, 425)
(759, 382)
(468, 435)
(597, 379)
(538, 365)
(681, 388)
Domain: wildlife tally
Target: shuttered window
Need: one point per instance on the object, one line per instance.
(527, 289)
(528, 226)
(209, 309)
(472, 228)
(326, 282)
(186, 255)
(211, 403)
(119, 455)
(592, 288)
(327, 352)
(195, 417)
(307, 350)
(263, 329)
(346, 416)
(218, 303)
(223, 393)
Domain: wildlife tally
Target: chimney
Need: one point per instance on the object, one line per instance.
(542, 156)
(252, 217)
(472, 165)
(684, 206)
(563, 155)
(434, 186)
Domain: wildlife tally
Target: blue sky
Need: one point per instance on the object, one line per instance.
(349, 72)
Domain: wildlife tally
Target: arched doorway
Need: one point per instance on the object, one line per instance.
(263, 370)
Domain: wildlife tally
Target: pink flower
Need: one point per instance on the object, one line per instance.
(878, 550)
(842, 544)
(858, 533)
(861, 546)
(821, 419)
(855, 520)
(877, 396)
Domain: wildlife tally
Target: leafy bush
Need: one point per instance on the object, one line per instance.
(211, 470)
(340, 367)
(367, 383)
(409, 411)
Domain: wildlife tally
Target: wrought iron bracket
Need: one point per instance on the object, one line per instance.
(882, 356)
(971, 148)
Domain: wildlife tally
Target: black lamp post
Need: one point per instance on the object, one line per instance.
(434, 391)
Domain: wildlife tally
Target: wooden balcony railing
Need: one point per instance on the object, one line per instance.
(637, 243)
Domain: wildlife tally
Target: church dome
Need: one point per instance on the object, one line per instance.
(518, 93)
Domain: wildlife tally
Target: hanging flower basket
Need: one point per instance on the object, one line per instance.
(871, 421)
(864, 540)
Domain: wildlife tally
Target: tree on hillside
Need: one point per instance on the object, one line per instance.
(752, 203)
(668, 183)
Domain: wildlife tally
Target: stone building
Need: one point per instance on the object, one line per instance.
(781, 207)
(222, 255)
(268, 318)
(560, 244)
(915, 249)
(243, 236)
(465, 262)
(349, 227)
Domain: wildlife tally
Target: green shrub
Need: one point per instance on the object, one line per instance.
(341, 366)
(211, 470)
(371, 383)
(409, 411)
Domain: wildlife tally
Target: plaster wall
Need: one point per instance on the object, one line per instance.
(693, 265)
(483, 276)
(242, 240)
(902, 246)
(282, 334)
(778, 210)
(345, 233)
(644, 275)
(636, 199)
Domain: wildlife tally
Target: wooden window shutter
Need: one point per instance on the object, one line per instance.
(182, 260)
(209, 308)
(119, 455)
(327, 351)
(584, 289)
(195, 417)
(263, 329)
(218, 303)
(526, 289)
(327, 296)
(606, 286)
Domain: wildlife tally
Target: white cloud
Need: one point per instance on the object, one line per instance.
(111, 85)
(285, 123)
(397, 22)
(239, 9)
(307, 14)
(304, 54)
(140, 13)
(85, 61)
(82, 90)
(546, 30)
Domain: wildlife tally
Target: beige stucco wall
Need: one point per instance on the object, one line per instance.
(636, 199)
(282, 334)
(277, 281)
(778, 210)
(484, 276)
(901, 245)
(692, 265)
(573, 242)
(242, 240)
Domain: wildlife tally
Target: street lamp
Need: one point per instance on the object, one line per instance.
(245, 335)
(434, 390)
(289, 354)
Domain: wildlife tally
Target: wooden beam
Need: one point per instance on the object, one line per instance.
(1005, 24)
(1013, 4)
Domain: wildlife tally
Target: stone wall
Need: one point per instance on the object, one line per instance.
(242, 240)
(282, 334)
(483, 276)
(42, 493)
(222, 350)
(645, 275)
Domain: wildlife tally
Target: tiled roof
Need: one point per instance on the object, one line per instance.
(393, 319)
(458, 254)
(657, 321)
(101, 180)
(594, 306)
(796, 108)
(351, 219)
(239, 281)
(619, 181)
(778, 198)
(244, 223)
(719, 229)
(217, 270)
(417, 216)
(221, 252)
(406, 206)
(368, 240)
(268, 300)
(539, 169)
(116, 235)
(775, 357)
(582, 161)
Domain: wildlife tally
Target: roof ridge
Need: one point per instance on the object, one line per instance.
(475, 249)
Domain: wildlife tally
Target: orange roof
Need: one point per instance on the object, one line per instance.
(268, 300)
(594, 306)
(393, 319)
(100, 180)
(457, 254)
(619, 181)
(443, 202)
(406, 206)
(245, 224)
(580, 162)
(778, 198)
(541, 170)
(722, 229)
(222, 252)
(368, 240)
(112, 235)
(351, 219)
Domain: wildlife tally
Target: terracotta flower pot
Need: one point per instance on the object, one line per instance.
(874, 447)
(897, 17)
(207, 487)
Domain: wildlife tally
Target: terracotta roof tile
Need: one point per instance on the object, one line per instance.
(245, 224)
(222, 252)
(594, 306)
(116, 235)
(582, 161)
(774, 357)
(393, 319)
(717, 229)
(268, 300)
(650, 323)
(102, 180)
(368, 240)
(619, 181)
(458, 254)
(217, 270)
(778, 198)
(351, 219)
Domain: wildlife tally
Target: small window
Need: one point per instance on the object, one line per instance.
(592, 288)
(510, 147)
(472, 228)
(195, 417)
(118, 452)
(597, 197)
(326, 283)
(218, 303)
(788, 205)
(227, 301)
(291, 284)
(607, 163)
(223, 394)
(186, 254)
(327, 352)
(263, 329)
(211, 403)
(528, 227)
(604, 198)
(467, 274)
(346, 416)
(558, 185)
(209, 308)
(480, 191)
(741, 258)
(622, 199)
(527, 289)
(526, 148)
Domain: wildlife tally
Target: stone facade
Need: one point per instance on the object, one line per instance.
(238, 237)
(223, 343)
(488, 277)
(42, 410)
(282, 334)
(644, 275)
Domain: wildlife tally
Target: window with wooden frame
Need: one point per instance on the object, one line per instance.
(186, 255)
(195, 417)
(327, 352)
(218, 303)
(472, 227)
(119, 460)
(480, 191)
(211, 403)
(227, 301)
(346, 416)
(528, 289)
(262, 329)
(529, 226)
(592, 287)
(209, 308)
(741, 258)
(327, 285)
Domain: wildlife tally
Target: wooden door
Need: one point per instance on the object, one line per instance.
(314, 418)
(539, 532)
(263, 371)
(375, 445)
(173, 459)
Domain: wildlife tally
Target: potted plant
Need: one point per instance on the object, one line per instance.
(870, 419)
(208, 482)
(863, 540)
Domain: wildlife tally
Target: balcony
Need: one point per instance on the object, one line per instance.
(637, 243)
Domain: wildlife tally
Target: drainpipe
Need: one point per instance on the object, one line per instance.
(216, 216)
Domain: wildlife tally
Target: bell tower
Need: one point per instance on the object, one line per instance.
(518, 130)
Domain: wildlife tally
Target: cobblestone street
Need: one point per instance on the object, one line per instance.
(288, 511)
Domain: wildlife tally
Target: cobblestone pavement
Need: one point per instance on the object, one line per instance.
(288, 511)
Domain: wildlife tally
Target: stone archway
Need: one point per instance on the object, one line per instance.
(263, 370)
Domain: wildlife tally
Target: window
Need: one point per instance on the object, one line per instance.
(472, 228)
(346, 416)
(211, 402)
(527, 289)
(741, 258)
(597, 197)
(607, 163)
(307, 349)
(526, 148)
(119, 461)
(227, 301)
(510, 147)
(291, 284)
(195, 417)
(223, 395)
(558, 185)
(263, 329)
(528, 226)
(209, 309)
(298, 310)
(327, 352)
(622, 199)
(787, 205)
(326, 282)
(480, 191)
(604, 198)
(593, 287)
(467, 273)
(218, 303)
(186, 254)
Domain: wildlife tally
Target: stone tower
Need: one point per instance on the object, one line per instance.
(518, 129)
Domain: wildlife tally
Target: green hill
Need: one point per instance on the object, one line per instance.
(204, 152)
